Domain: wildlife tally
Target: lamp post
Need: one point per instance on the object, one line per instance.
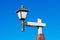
(22, 13)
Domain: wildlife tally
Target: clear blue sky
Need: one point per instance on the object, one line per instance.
(10, 25)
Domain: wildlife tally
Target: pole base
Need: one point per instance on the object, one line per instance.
(40, 37)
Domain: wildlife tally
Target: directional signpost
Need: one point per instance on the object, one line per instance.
(22, 13)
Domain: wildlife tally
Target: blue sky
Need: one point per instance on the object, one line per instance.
(10, 25)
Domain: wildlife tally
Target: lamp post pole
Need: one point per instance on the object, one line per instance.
(22, 25)
(22, 12)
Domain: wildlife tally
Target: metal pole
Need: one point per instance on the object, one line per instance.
(39, 30)
(40, 36)
(22, 25)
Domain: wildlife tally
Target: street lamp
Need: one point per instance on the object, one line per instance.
(22, 13)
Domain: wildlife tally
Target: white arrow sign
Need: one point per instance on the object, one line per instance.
(39, 23)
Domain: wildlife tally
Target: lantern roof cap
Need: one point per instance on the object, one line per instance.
(22, 9)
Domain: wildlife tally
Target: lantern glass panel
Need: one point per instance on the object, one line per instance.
(22, 14)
